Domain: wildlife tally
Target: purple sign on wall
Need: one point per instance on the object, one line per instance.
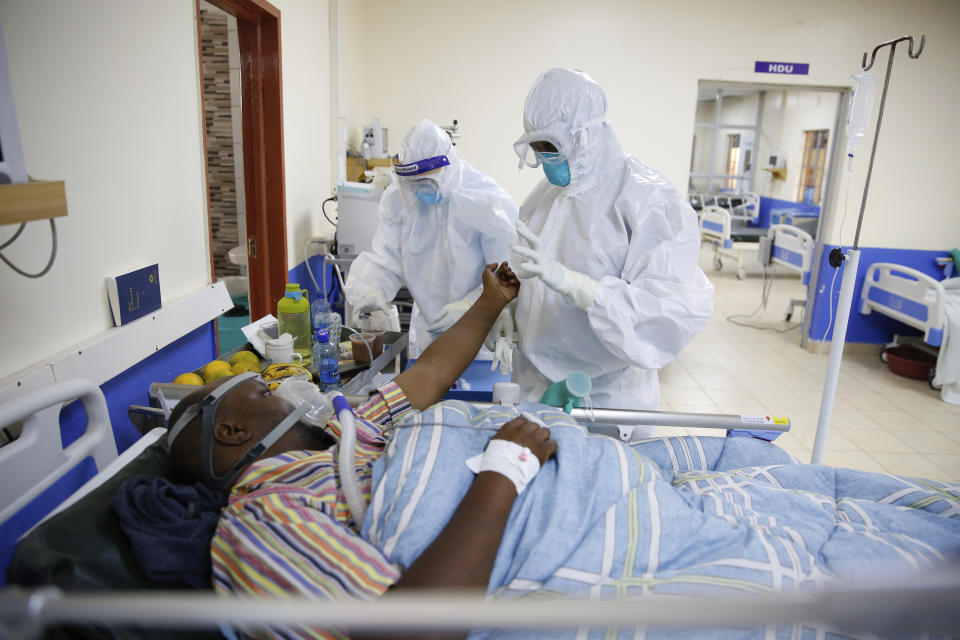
(794, 68)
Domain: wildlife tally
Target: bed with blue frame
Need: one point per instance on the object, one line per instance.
(793, 249)
(733, 479)
(716, 228)
(907, 295)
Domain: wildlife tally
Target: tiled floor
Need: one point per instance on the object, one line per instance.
(881, 421)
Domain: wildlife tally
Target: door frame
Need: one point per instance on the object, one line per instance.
(261, 88)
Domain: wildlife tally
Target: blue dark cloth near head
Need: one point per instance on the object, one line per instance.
(170, 527)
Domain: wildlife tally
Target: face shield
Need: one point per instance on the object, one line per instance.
(413, 176)
(207, 408)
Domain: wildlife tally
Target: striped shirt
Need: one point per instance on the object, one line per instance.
(287, 528)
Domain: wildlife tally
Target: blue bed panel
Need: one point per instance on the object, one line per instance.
(786, 255)
(39, 507)
(713, 226)
(769, 204)
(874, 328)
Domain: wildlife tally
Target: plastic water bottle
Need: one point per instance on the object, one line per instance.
(323, 317)
(293, 317)
(325, 357)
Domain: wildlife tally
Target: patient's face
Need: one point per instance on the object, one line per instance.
(261, 411)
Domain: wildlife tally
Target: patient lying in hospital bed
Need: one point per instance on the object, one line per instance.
(692, 516)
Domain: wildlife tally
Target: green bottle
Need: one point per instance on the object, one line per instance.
(293, 317)
(569, 392)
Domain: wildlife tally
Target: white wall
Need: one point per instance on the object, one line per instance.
(791, 113)
(108, 99)
(445, 59)
(305, 29)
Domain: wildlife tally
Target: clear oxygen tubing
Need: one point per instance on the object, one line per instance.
(347, 463)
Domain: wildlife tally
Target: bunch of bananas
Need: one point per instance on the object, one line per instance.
(275, 373)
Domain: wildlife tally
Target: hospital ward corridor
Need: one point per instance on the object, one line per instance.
(881, 421)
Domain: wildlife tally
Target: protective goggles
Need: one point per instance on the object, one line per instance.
(560, 135)
(208, 408)
(420, 166)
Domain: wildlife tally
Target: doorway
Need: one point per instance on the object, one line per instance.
(778, 142)
(245, 177)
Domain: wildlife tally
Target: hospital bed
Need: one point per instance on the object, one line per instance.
(99, 590)
(791, 248)
(716, 225)
(743, 207)
(907, 295)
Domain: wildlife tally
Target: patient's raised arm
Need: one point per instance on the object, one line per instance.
(447, 357)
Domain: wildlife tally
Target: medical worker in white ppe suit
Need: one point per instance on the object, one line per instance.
(441, 222)
(609, 248)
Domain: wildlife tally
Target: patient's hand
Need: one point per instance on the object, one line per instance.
(500, 283)
(530, 435)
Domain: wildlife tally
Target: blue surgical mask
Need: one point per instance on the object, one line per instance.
(427, 192)
(555, 168)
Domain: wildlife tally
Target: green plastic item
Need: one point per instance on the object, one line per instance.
(293, 317)
(569, 392)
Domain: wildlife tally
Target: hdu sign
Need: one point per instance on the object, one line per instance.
(792, 68)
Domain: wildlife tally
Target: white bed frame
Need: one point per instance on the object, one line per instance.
(792, 248)
(715, 227)
(24, 613)
(907, 295)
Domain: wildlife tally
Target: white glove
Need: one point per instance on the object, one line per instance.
(503, 356)
(372, 301)
(449, 314)
(501, 340)
(580, 288)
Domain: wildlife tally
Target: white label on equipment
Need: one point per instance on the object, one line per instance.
(763, 420)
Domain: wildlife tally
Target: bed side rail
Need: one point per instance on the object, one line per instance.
(715, 225)
(792, 248)
(34, 461)
(907, 295)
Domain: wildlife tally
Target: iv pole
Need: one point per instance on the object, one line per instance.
(852, 258)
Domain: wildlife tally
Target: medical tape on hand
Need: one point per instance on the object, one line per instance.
(516, 462)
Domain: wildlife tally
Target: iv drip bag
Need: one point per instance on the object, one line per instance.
(859, 109)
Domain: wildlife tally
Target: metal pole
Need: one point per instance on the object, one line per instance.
(671, 418)
(873, 151)
(850, 273)
(896, 604)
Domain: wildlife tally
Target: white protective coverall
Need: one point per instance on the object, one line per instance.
(437, 251)
(621, 224)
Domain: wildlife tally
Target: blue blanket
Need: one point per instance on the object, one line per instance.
(170, 527)
(686, 515)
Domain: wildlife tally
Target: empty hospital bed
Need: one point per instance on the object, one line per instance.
(907, 295)
(716, 225)
(924, 303)
(79, 550)
(793, 249)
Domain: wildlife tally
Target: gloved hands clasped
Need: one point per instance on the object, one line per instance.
(580, 288)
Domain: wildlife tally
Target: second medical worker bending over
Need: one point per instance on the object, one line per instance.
(613, 246)
(441, 221)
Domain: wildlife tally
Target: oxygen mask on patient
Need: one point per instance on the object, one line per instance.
(301, 392)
